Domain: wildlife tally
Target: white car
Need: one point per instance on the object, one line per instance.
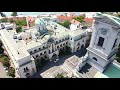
(56, 60)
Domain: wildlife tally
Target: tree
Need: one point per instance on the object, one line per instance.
(11, 21)
(19, 29)
(59, 76)
(4, 20)
(1, 43)
(80, 18)
(11, 72)
(65, 24)
(4, 60)
(14, 14)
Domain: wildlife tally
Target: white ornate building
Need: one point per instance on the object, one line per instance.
(44, 41)
(104, 42)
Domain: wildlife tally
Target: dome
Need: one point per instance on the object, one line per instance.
(39, 21)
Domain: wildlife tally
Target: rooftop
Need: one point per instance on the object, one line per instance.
(74, 33)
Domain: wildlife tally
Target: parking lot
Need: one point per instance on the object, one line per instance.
(2, 72)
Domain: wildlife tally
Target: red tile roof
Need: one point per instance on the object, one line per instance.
(30, 19)
(73, 21)
(88, 19)
(25, 26)
(65, 18)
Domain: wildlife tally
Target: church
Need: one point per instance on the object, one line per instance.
(103, 46)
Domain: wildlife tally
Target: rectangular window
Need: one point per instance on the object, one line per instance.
(101, 41)
(114, 43)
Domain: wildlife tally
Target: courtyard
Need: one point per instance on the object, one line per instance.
(52, 67)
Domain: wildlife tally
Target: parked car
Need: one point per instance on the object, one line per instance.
(6, 68)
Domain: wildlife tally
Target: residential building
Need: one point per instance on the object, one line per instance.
(75, 24)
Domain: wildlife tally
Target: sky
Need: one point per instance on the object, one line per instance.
(28, 13)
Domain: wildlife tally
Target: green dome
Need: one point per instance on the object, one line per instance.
(39, 21)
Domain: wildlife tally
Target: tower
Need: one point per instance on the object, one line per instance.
(104, 41)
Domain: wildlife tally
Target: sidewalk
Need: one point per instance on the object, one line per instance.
(2, 72)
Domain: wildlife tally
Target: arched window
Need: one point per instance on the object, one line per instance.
(36, 55)
(95, 58)
(39, 48)
(44, 52)
(57, 46)
(35, 50)
(43, 46)
(40, 53)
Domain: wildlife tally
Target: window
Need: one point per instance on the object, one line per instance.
(61, 45)
(40, 53)
(30, 37)
(56, 41)
(83, 40)
(78, 44)
(26, 39)
(66, 43)
(35, 50)
(30, 52)
(68, 37)
(45, 52)
(45, 56)
(33, 57)
(71, 38)
(39, 48)
(36, 56)
(57, 46)
(94, 58)
(49, 51)
(43, 46)
(114, 43)
(101, 41)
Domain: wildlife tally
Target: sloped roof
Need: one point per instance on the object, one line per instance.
(88, 19)
(73, 21)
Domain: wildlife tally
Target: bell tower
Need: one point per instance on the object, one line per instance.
(104, 41)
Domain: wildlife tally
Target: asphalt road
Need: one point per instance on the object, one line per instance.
(60, 62)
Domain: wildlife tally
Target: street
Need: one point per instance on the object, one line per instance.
(51, 64)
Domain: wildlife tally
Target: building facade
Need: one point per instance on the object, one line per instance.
(104, 42)
(25, 48)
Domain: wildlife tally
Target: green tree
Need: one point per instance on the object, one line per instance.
(11, 72)
(19, 29)
(4, 60)
(11, 21)
(80, 18)
(14, 14)
(1, 43)
(4, 20)
(65, 24)
(59, 76)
